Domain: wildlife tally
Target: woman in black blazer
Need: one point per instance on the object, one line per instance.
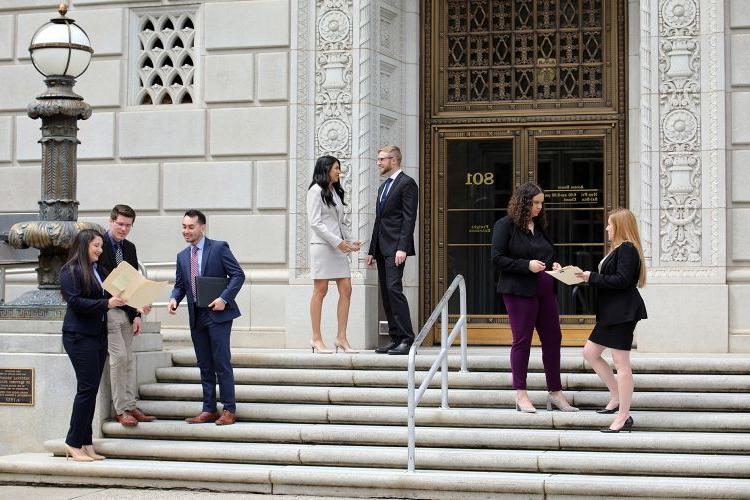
(521, 252)
(85, 336)
(619, 308)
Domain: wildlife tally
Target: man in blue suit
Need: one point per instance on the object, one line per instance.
(210, 327)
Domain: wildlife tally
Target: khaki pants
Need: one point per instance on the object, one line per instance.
(121, 360)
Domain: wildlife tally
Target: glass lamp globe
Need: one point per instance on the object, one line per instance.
(61, 47)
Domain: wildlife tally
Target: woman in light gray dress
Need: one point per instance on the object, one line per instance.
(330, 245)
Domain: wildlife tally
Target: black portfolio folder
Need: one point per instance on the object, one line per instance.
(208, 288)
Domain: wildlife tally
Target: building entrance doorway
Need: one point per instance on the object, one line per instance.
(520, 90)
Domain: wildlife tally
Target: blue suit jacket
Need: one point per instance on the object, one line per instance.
(86, 312)
(219, 262)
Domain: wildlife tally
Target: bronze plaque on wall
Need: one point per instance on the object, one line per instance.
(17, 386)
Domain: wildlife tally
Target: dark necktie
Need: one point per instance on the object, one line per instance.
(384, 196)
(118, 252)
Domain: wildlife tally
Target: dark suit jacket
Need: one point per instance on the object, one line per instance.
(86, 312)
(394, 226)
(219, 262)
(129, 255)
(511, 255)
(618, 300)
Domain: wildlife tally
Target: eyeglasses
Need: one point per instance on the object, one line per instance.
(386, 158)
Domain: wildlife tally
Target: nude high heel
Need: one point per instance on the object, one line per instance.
(89, 450)
(560, 404)
(525, 409)
(347, 349)
(319, 350)
(77, 454)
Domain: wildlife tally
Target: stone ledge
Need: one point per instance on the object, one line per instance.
(452, 437)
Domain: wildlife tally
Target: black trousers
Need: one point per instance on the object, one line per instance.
(88, 354)
(394, 301)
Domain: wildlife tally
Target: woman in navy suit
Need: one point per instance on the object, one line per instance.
(85, 336)
(619, 308)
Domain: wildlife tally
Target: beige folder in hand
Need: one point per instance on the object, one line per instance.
(135, 289)
(567, 275)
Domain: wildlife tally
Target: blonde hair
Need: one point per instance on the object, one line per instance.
(626, 229)
(393, 151)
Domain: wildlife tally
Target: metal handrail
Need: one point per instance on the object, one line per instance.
(415, 396)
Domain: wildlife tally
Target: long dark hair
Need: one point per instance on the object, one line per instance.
(78, 260)
(519, 206)
(322, 177)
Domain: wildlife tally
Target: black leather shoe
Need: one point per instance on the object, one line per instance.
(608, 411)
(626, 427)
(402, 348)
(385, 348)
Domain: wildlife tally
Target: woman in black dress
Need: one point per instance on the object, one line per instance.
(619, 308)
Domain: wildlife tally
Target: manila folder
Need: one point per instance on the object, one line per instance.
(133, 287)
(567, 275)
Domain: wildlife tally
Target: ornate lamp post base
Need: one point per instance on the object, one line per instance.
(53, 238)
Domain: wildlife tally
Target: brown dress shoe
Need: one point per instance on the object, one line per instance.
(140, 416)
(227, 418)
(126, 419)
(204, 417)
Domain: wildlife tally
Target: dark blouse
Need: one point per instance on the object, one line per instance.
(539, 246)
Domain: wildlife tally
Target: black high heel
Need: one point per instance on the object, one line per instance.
(627, 426)
(608, 411)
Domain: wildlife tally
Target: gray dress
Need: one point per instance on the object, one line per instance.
(328, 228)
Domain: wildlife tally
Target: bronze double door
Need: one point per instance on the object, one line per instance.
(517, 91)
(479, 169)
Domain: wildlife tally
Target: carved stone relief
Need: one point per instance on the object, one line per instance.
(680, 145)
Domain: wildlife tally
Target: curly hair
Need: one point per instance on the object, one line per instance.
(519, 206)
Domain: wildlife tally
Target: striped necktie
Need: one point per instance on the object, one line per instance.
(194, 270)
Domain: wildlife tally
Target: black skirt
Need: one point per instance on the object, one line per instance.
(618, 336)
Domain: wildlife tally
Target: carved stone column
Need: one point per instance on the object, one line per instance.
(682, 175)
(348, 60)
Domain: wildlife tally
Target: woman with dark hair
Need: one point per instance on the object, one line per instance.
(85, 336)
(330, 244)
(521, 252)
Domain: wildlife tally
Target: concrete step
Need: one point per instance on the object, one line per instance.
(543, 461)
(571, 361)
(445, 437)
(475, 380)
(36, 468)
(467, 398)
(457, 417)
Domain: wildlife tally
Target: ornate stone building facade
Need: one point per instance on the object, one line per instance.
(224, 105)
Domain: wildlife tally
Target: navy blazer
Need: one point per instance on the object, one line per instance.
(510, 257)
(86, 312)
(394, 225)
(219, 262)
(618, 300)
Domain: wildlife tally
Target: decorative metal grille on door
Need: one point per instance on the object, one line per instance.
(501, 51)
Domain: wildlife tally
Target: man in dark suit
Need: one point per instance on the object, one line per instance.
(210, 327)
(123, 323)
(392, 241)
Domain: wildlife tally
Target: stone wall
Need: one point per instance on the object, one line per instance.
(738, 156)
(226, 152)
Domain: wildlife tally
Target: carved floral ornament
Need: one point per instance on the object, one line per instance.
(679, 15)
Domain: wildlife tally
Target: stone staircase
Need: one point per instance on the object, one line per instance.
(334, 425)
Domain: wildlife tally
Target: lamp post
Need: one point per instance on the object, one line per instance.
(61, 51)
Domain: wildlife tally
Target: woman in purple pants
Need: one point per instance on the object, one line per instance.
(521, 251)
